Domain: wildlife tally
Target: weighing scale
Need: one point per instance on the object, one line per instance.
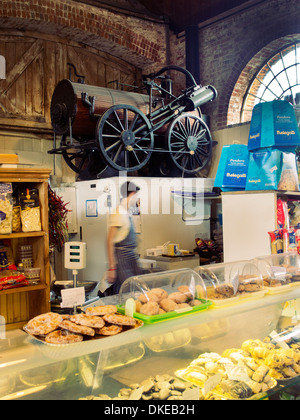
(73, 293)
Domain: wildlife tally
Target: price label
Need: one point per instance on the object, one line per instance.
(235, 283)
(280, 340)
(237, 373)
(191, 394)
(72, 297)
(211, 383)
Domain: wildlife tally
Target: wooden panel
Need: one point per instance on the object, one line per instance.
(35, 64)
(15, 308)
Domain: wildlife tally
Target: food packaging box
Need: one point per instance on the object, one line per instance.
(228, 283)
(164, 295)
(154, 252)
(273, 124)
(32, 275)
(272, 169)
(173, 250)
(233, 167)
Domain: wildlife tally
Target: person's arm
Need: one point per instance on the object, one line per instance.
(111, 273)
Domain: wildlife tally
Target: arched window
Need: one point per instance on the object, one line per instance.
(278, 79)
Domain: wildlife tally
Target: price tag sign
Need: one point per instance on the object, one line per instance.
(237, 373)
(2, 328)
(235, 283)
(72, 297)
(280, 340)
(211, 383)
(191, 394)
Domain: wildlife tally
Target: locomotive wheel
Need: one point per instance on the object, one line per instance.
(81, 159)
(125, 138)
(189, 143)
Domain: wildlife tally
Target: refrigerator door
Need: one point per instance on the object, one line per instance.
(92, 216)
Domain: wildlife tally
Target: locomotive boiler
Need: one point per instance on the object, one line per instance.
(121, 129)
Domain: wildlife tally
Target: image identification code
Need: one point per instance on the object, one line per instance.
(159, 409)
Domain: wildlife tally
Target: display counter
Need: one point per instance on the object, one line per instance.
(111, 366)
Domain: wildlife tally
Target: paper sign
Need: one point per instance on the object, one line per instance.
(191, 394)
(136, 395)
(237, 373)
(211, 383)
(280, 340)
(2, 328)
(235, 283)
(72, 297)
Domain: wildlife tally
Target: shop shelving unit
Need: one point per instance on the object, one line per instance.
(19, 305)
(248, 216)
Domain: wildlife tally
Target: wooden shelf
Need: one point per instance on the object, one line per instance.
(19, 305)
(23, 289)
(21, 235)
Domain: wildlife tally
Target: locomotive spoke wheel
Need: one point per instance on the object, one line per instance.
(189, 143)
(125, 138)
(80, 158)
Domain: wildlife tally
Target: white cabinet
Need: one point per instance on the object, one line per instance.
(247, 219)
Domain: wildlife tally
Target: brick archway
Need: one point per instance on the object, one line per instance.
(131, 39)
(247, 74)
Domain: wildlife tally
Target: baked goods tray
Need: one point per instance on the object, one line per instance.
(147, 319)
(88, 345)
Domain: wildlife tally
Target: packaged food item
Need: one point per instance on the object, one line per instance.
(233, 167)
(10, 279)
(6, 256)
(276, 241)
(16, 217)
(294, 212)
(32, 275)
(30, 210)
(25, 255)
(282, 214)
(272, 169)
(292, 240)
(6, 208)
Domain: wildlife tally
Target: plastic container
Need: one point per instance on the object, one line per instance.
(290, 262)
(165, 295)
(218, 282)
(228, 283)
(247, 280)
(275, 278)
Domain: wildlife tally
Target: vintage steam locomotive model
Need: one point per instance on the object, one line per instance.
(121, 129)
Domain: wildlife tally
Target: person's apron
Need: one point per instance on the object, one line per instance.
(127, 259)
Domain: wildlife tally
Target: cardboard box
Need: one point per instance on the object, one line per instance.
(272, 169)
(273, 124)
(233, 167)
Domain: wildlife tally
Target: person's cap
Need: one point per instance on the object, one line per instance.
(127, 188)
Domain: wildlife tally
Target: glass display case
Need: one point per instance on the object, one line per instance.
(247, 350)
(228, 283)
(161, 296)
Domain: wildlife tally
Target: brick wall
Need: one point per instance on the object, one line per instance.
(139, 42)
(233, 50)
